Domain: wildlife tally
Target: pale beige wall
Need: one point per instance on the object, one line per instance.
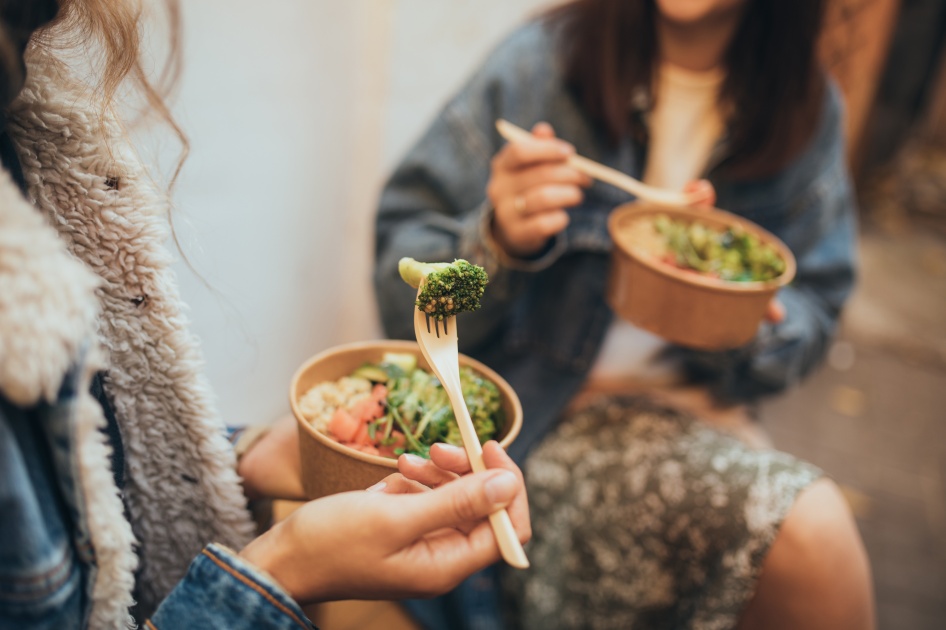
(296, 109)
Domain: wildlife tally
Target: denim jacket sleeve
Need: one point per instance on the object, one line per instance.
(812, 208)
(220, 590)
(42, 569)
(434, 205)
(45, 561)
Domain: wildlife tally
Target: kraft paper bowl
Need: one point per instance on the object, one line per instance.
(685, 307)
(329, 467)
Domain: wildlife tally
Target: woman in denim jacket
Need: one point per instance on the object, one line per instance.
(120, 501)
(644, 516)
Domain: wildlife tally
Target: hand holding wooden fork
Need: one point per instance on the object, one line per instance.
(438, 343)
(606, 174)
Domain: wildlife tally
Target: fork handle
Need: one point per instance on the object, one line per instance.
(506, 537)
(606, 174)
(509, 546)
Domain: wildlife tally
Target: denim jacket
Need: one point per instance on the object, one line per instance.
(68, 552)
(47, 559)
(543, 321)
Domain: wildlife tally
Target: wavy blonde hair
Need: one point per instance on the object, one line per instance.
(109, 35)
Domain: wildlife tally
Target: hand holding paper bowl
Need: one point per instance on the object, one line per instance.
(688, 304)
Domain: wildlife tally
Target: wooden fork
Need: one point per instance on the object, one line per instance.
(606, 174)
(440, 350)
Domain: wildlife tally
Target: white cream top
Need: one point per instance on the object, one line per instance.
(684, 126)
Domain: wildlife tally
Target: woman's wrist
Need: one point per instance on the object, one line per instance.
(497, 248)
(242, 446)
(270, 553)
(270, 466)
(245, 439)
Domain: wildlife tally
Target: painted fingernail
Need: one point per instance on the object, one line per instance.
(501, 488)
(415, 459)
(378, 487)
(449, 447)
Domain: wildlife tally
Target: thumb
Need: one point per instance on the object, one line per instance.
(702, 194)
(775, 311)
(543, 130)
(468, 499)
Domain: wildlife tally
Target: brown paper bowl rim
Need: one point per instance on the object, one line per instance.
(393, 345)
(626, 211)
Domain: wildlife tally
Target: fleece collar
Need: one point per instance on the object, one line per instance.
(85, 182)
(48, 305)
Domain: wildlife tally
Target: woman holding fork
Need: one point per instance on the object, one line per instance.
(647, 513)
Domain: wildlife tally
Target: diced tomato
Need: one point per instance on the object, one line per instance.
(362, 437)
(379, 392)
(387, 450)
(367, 409)
(343, 425)
(398, 438)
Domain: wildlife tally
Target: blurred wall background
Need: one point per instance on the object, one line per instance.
(295, 112)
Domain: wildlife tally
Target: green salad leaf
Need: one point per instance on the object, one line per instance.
(419, 406)
(733, 254)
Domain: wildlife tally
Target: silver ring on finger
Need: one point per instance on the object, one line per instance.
(519, 204)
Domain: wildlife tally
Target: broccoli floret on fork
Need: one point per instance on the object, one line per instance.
(445, 289)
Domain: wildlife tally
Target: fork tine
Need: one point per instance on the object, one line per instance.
(437, 327)
(445, 331)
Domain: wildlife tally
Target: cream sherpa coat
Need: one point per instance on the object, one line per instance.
(85, 261)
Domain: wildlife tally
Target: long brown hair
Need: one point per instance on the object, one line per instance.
(773, 87)
(112, 28)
